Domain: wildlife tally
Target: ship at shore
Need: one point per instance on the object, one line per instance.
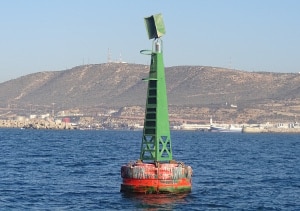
(227, 129)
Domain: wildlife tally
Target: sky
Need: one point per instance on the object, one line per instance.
(54, 35)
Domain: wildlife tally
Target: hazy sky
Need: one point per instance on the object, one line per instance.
(50, 35)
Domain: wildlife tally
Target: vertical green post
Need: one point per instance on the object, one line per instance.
(156, 141)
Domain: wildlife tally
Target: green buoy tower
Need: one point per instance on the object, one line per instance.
(156, 142)
(156, 171)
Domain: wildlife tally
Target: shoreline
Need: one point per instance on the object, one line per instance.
(58, 125)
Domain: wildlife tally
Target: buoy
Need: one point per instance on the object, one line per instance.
(156, 171)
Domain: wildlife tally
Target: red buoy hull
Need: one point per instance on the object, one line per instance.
(156, 178)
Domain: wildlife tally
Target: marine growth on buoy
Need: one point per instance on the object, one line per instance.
(156, 171)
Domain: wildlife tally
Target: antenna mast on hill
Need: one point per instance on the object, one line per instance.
(108, 56)
(120, 59)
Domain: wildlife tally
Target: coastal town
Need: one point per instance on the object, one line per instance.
(133, 119)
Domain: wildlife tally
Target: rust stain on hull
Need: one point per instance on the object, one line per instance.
(156, 178)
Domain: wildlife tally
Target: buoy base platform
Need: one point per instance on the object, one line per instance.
(148, 178)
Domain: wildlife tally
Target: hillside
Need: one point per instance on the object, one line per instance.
(116, 85)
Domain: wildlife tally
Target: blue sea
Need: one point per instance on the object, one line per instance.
(80, 170)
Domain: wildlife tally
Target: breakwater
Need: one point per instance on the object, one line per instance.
(270, 130)
(37, 124)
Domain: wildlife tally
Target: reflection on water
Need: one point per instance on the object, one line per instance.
(156, 201)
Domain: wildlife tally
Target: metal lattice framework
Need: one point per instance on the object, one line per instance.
(156, 141)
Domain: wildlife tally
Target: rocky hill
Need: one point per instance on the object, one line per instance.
(117, 85)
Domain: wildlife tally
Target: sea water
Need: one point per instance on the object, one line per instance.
(80, 170)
